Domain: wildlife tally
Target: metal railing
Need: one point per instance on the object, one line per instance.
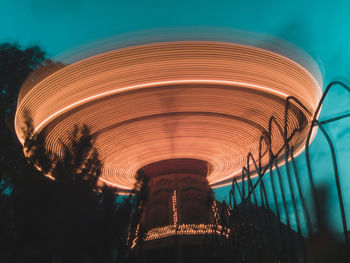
(285, 188)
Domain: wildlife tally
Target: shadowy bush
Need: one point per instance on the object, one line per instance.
(70, 218)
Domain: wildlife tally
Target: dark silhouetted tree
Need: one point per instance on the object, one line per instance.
(69, 219)
(15, 65)
(59, 218)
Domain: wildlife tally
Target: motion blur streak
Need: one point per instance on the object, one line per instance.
(184, 99)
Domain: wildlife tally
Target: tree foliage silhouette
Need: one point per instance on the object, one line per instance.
(68, 219)
(62, 213)
(15, 65)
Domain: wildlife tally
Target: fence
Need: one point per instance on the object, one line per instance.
(251, 197)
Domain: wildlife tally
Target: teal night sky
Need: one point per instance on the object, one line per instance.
(322, 28)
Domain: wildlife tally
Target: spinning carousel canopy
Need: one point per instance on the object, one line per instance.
(203, 100)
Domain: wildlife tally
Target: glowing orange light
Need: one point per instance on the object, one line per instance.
(183, 230)
(188, 99)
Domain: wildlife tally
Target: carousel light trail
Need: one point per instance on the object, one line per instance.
(188, 99)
